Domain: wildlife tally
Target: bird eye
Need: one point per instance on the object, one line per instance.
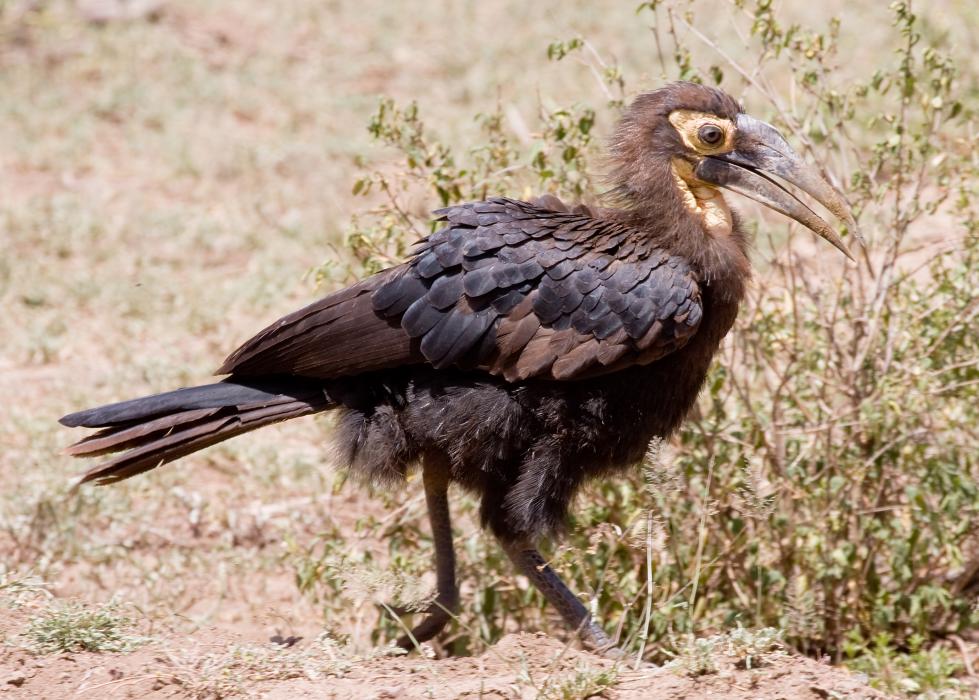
(710, 134)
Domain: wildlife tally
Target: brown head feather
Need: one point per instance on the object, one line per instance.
(644, 190)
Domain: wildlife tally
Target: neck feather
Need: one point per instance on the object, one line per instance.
(689, 221)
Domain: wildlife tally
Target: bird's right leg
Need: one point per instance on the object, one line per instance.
(435, 475)
(532, 565)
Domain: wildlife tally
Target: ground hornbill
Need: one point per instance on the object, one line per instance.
(523, 349)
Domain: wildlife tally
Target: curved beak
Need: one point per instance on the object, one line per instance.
(760, 151)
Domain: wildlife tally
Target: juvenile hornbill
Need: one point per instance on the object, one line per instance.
(522, 349)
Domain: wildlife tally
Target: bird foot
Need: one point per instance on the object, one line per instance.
(438, 613)
(425, 630)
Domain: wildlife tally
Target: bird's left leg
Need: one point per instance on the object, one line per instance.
(435, 475)
(532, 565)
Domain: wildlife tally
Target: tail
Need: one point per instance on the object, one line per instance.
(155, 430)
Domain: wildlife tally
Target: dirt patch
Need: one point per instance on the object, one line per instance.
(527, 666)
(213, 663)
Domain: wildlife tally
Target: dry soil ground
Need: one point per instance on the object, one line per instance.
(214, 663)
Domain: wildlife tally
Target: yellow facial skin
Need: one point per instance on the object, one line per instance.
(688, 122)
(702, 199)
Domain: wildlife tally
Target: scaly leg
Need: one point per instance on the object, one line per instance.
(435, 476)
(532, 565)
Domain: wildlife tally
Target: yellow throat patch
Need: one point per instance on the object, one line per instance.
(702, 200)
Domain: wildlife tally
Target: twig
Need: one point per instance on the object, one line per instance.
(648, 607)
(964, 651)
(702, 538)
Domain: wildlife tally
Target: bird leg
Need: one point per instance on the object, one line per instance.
(435, 476)
(532, 565)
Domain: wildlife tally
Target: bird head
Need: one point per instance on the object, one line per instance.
(698, 140)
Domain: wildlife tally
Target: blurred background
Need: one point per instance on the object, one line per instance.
(176, 174)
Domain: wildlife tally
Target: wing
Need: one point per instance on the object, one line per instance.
(507, 287)
(336, 336)
(523, 292)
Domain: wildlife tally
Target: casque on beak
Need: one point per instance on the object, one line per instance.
(760, 151)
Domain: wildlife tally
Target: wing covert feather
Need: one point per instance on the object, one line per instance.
(557, 294)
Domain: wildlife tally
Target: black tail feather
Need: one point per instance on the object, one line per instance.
(229, 392)
(159, 429)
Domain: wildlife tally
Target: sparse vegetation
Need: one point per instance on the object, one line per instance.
(169, 183)
(584, 683)
(922, 670)
(69, 627)
(748, 649)
(229, 672)
(16, 589)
